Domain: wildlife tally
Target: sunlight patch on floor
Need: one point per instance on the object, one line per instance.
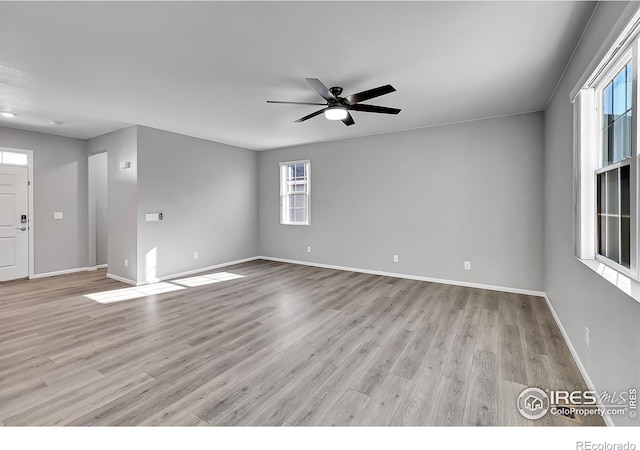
(207, 279)
(133, 292)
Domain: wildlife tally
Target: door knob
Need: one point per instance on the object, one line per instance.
(22, 229)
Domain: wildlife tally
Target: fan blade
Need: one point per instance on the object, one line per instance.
(320, 88)
(311, 115)
(374, 109)
(371, 93)
(349, 120)
(296, 103)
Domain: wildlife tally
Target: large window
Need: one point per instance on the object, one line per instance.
(613, 185)
(605, 158)
(295, 185)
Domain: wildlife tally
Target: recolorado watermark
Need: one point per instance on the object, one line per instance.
(534, 403)
(588, 445)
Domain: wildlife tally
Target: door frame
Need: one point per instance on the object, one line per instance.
(30, 243)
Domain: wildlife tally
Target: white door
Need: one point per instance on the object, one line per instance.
(14, 227)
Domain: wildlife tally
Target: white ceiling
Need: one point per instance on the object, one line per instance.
(206, 69)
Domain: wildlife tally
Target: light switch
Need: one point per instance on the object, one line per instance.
(58, 216)
(152, 217)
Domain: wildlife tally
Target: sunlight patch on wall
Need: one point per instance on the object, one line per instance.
(151, 266)
(615, 277)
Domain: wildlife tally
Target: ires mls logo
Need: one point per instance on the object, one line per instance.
(533, 403)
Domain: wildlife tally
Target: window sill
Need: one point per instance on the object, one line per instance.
(623, 282)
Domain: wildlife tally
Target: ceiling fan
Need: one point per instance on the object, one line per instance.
(337, 108)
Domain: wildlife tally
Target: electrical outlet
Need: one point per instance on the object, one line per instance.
(586, 336)
(126, 263)
(467, 265)
(395, 258)
(195, 255)
(309, 249)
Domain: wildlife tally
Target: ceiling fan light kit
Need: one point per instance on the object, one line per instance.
(336, 113)
(337, 108)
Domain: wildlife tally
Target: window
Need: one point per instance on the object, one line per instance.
(605, 159)
(613, 198)
(13, 158)
(294, 192)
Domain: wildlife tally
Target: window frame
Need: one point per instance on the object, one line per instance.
(589, 158)
(628, 54)
(13, 164)
(284, 193)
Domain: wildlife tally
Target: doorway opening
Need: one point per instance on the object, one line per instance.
(98, 211)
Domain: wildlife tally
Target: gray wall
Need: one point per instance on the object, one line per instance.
(98, 207)
(208, 194)
(122, 235)
(580, 297)
(60, 184)
(434, 196)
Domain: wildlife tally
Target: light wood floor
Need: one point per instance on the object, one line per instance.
(283, 345)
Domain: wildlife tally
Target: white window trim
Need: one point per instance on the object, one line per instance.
(587, 162)
(283, 193)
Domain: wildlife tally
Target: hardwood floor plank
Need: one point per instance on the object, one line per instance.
(542, 312)
(352, 369)
(488, 331)
(491, 300)
(379, 369)
(508, 413)
(446, 334)
(508, 309)
(191, 420)
(539, 372)
(528, 324)
(481, 408)
(512, 365)
(385, 401)
(66, 408)
(348, 410)
(449, 402)
(416, 406)
(461, 358)
(563, 365)
(289, 399)
(409, 360)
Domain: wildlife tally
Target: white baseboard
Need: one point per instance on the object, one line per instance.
(409, 277)
(132, 282)
(195, 271)
(122, 279)
(59, 272)
(583, 371)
